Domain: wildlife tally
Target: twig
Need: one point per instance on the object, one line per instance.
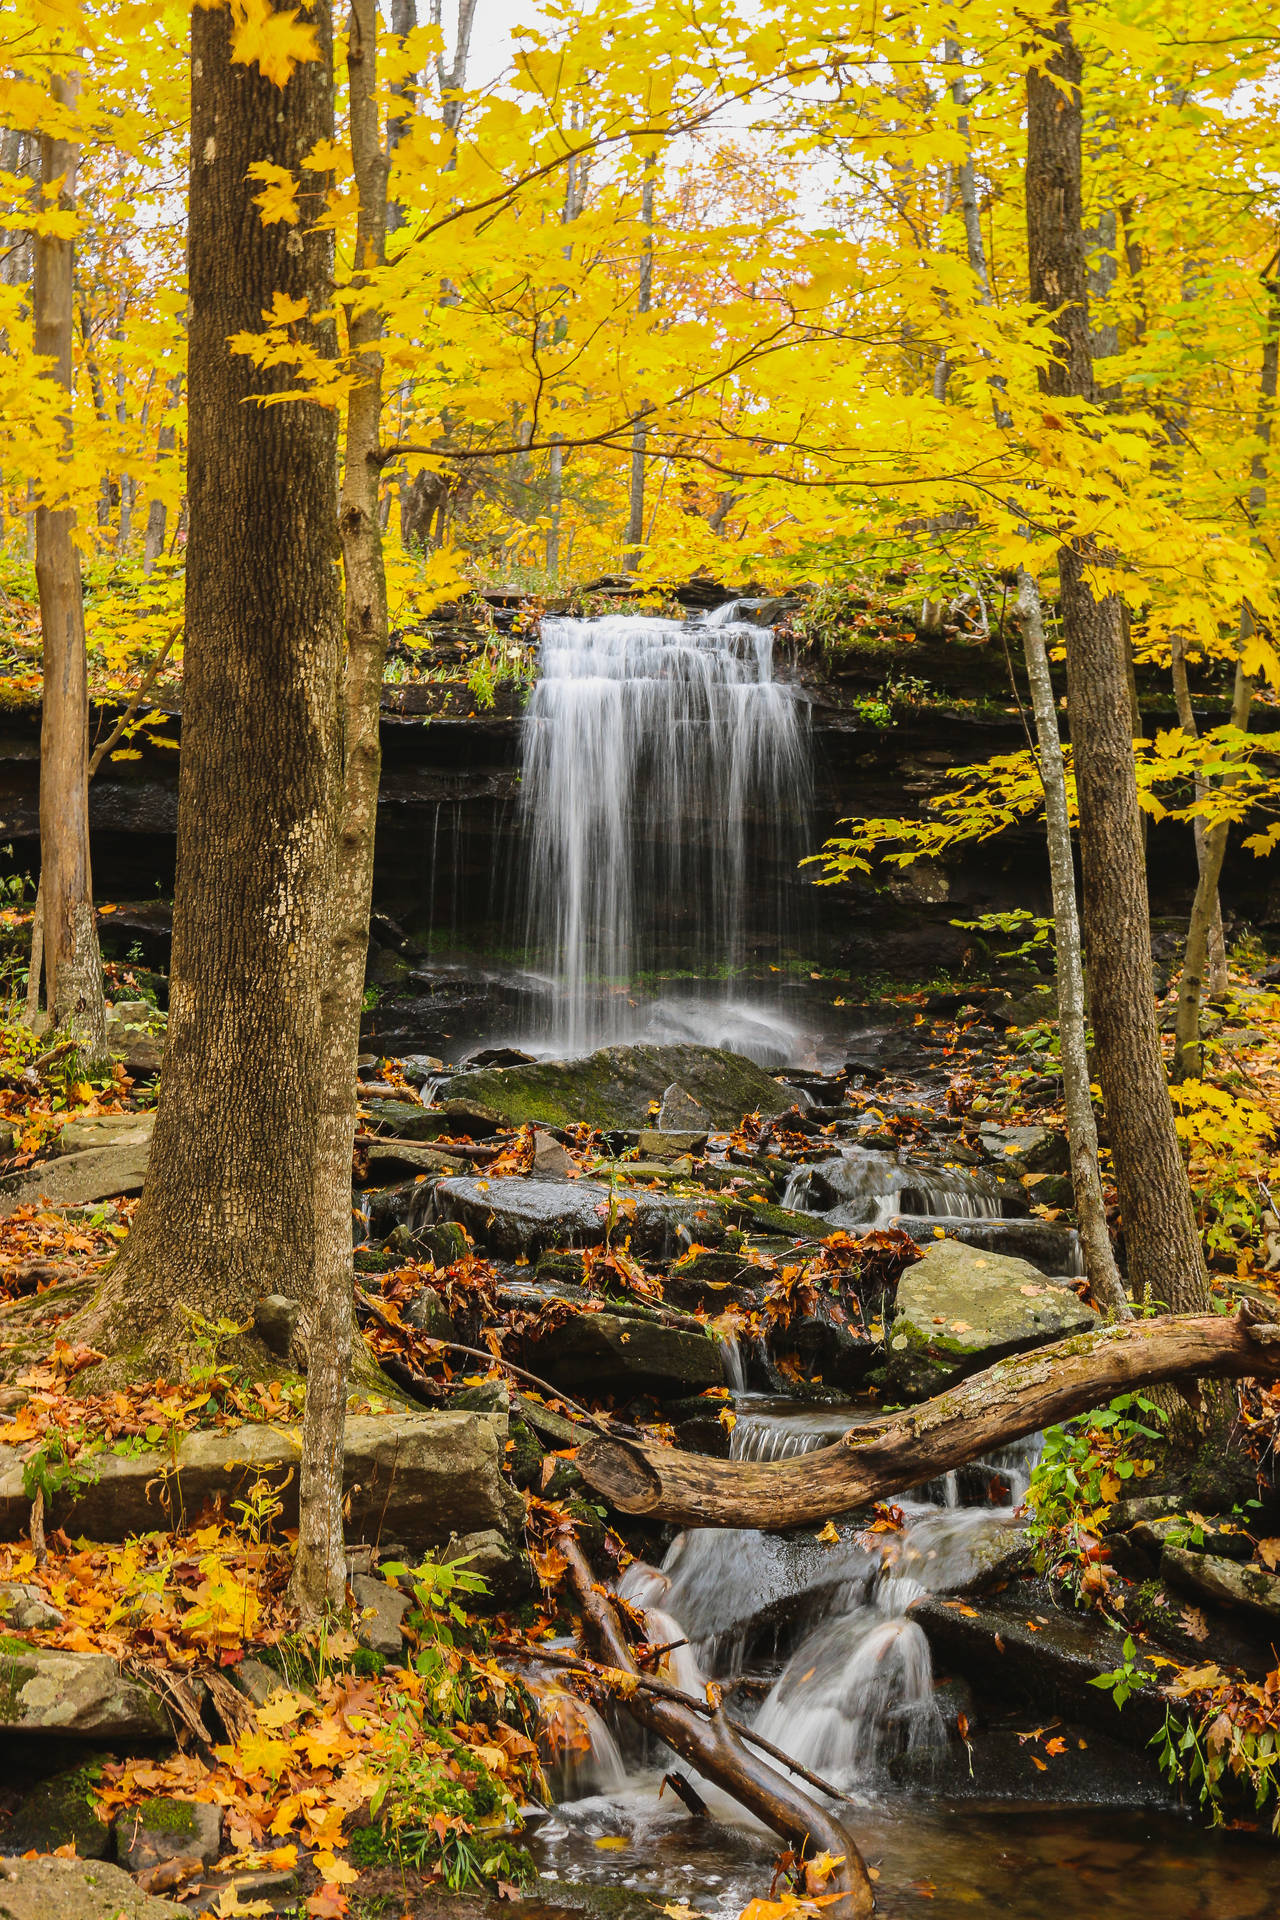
(100, 753)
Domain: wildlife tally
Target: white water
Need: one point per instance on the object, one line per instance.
(665, 770)
(859, 1187)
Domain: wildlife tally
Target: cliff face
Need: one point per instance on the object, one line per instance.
(887, 722)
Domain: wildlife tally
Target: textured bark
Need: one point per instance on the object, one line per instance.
(228, 1213)
(157, 512)
(1009, 1400)
(1082, 1129)
(72, 961)
(1215, 943)
(320, 1575)
(1166, 1264)
(718, 1752)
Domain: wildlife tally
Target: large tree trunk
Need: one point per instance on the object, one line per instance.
(320, 1575)
(228, 1213)
(1166, 1264)
(72, 961)
(1082, 1128)
(1015, 1397)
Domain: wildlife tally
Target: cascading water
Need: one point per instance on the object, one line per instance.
(860, 1187)
(664, 794)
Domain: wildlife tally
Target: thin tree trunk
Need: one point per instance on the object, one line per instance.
(228, 1212)
(1004, 1403)
(320, 1576)
(72, 961)
(1082, 1128)
(1216, 944)
(639, 433)
(157, 513)
(1166, 1262)
(1187, 1055)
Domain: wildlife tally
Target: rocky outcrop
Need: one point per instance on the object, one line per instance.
(960, 1308)
(609, 1353)
(623, 1086)
(1225, 1582)
(81, 1696)
(78, 1179)
(52, 1889)
(412, 1477)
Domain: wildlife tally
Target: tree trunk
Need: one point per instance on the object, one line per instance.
(157, 513)
(1186, 1057)
(1082, 1128)
(228, 1212)
(1216, 949)
(1166, 1264)
(320, 1574)
(72, 960)
(717, 1751)
(1015, 1397)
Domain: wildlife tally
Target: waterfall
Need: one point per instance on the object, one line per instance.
(664, 792)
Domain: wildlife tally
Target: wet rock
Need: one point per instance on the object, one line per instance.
(512, 1215)
(606, 1353)
(442, 1243)
(1028, 1149)
(57, 1813)
(380, 1612)
(135, 1035)
(995, 1558)
(391, 1163)
(618, 1086)
(405, 1120)
(82, 1696)
(165, 1829)
(78, 1179)
(52, 1889)
(960, 1308)
(655, 1144)
(997, 1764)
(418, 1476)
(1051, 1249)
(275, 1320)
(404, 1205)
(500, 1057)
(418, 1068)
(1224, 1582)
(429, 1314)
(550, 1160)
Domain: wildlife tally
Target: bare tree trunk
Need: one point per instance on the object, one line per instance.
(1186, 1055)
(72, 960)
(1216, 943)
(228, 1212)
(1166, 1262)
(639, 433)
(320, 1575)
(1082, 1128)
(157, 514)
(1015, 1397)
(717, 1751)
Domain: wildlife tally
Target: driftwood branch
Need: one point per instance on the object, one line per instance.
(1014, 1398)
(712, 1746)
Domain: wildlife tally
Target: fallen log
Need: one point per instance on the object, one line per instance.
(712, 1746)
(1013, 1398)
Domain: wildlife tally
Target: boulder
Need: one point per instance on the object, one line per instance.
(275, 1321)
(136, 1034)
(107, 1130)
(414, 1476)
(52, 1889)
(608, 1353)
(26, 1609)
(619, 1087)
(380, 1612)
(1027, 1149)
(1050, 1249)
(960, 1308)
(81, 1696)
(680, 1112)
(550, 1160)
(668, 1144)
(60, 1812)
(164, 1829)
(1224, 1582)
(77, 1179)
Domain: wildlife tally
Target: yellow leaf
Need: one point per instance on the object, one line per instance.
(612, 1842)
(333, 1871)
(283, 311)
(828, 1537)
(279, 199)
(278, 42)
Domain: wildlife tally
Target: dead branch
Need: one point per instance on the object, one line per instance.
(711, 1745)
(1015, 1397)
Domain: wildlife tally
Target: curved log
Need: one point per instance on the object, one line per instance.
(1015, 1397)
(712, 1746)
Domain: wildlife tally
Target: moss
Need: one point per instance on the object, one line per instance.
(166, 1816)
(367, 1663)
(368, 1847)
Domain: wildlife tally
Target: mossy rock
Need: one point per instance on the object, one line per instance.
(617, 1087)
(61, 1812)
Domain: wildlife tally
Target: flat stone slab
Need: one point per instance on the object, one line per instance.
(51, 1889)
(611, 1353)
(511, 1215)
(618, 1087)
(1225, 1582)
(1051, 1249)
(960, 1309)
(82, 1696)
(415, 1477)
(78, 1179)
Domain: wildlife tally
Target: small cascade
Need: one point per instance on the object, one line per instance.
(735, 1373)
(579, 1753)
(860, 1187)
(664, 794)
(857, 1690)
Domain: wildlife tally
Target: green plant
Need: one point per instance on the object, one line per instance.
(1037, 928)
(1128, 1678)
(1080, 1473)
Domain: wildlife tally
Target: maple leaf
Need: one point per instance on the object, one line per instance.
(1193, 1623)
(279, 198)
(276, 42)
